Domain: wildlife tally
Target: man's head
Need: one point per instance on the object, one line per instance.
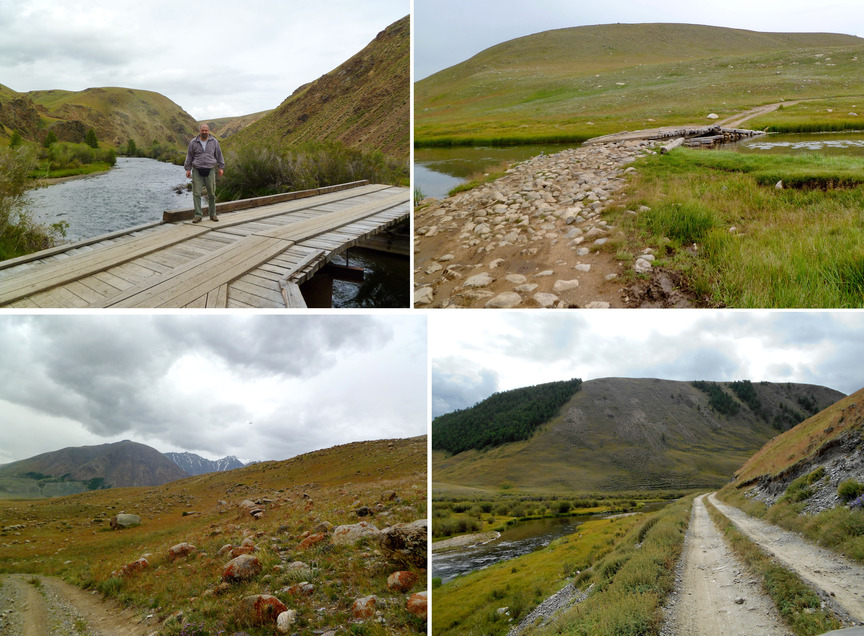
(204, 131)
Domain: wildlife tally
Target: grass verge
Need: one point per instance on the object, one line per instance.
(799, 606)
(632, 582)
(718, 218)
(469, 604)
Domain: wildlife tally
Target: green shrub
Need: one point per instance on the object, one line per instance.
(849, 490)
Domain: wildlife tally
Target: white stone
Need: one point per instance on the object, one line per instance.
(642, 266)
(562, 286)
(423, 296)
(285, 620)
(527, 288)
(434, 267)
(546, 272)
(496, 263)
(507, 300)
(479, 280)
(446, 258)
(713, 116)
(546, 300)
(516, 279)
(582, 267)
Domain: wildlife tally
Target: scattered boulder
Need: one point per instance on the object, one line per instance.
(343, 535)
(363, 511)
(180, 550)
(123, 521)
(242, 549)
(241, 568)
(132, 568)
(401, 581)
(301, 589)
(260, 609)
(311, 540)
(388, 495)
(285, 620)
(364, 607)
(417, 604)
(405, 542)
(225, 549)
(324, 526)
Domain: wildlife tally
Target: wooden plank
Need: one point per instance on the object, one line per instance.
(42, 278)
(293, 298)
(218, 298)
(252, 300)
(272, 294)
(84, 292)
(201, 275)
(198, 303)
(99, 286)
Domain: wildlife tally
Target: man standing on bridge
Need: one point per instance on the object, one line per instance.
(203, 156)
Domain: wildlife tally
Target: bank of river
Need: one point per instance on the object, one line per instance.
(520, 538)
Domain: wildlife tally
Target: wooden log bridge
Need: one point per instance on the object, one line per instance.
(257, 255)
(689, 136)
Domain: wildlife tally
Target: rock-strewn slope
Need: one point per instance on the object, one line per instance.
(536, 237)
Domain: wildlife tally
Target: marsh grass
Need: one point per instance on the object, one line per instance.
(748, 243)
(487, 175)
(799, 606)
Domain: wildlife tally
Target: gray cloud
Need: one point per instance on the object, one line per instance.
(195, 382)
(458, 384)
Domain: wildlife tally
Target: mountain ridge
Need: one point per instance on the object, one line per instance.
(194, 464)
(627, 434)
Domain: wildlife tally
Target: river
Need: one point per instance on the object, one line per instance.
(137, 191)
(439, 170)
(133, 192)
(521, 538)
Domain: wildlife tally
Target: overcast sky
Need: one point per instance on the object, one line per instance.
(474, 354)
(447, 32)
(217, 58)
(258, 387)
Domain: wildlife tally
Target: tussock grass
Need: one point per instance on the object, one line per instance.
(632, 581)
(799, 605)
(755, 245)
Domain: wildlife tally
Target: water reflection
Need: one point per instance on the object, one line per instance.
(842, 143)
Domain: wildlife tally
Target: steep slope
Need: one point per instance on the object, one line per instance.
(831, 442)
(227, 126)
(619, 433)
(193, 464)
(363, 103)
(107, 465)
(586, 81)
(117, 115)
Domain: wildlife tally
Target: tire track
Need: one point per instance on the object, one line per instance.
(717, 594)
(838, 577)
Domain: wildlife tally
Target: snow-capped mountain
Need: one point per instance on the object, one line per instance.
(196, 465)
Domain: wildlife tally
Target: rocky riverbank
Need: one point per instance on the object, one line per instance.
(537, 237)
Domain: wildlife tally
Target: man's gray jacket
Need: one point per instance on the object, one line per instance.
(208, 156)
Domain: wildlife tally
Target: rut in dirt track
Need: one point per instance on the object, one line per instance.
(716, 593)
(55, 608)
(836, 576)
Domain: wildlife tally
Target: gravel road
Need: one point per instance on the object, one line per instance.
(716, 594)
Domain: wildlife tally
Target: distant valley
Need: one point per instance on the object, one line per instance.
(617, 434)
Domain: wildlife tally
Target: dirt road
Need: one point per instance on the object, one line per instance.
(57, 608)
(716, 594)
(839, 577)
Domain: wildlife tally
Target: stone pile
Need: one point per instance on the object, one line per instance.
(525, 239)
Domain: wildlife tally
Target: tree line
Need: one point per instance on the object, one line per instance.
(504, 417)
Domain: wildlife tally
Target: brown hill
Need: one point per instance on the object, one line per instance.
(107, 465)
(364, 103)
(624, 434)
(227, 126)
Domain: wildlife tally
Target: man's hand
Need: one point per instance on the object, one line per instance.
(221, 172)
(188, 174)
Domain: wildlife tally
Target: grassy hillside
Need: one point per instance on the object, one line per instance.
(628, 434)
(60, 537)
(364, 103)
(576, 83)
(227, 126)
(119, 114)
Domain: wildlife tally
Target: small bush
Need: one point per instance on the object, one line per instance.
(849, 490)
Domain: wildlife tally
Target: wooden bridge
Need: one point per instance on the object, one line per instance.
(257, 255)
